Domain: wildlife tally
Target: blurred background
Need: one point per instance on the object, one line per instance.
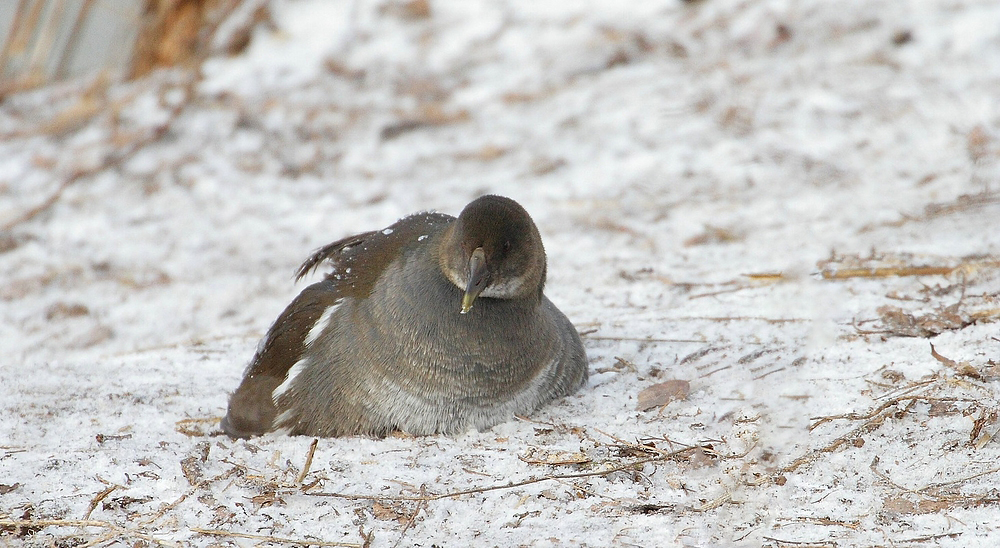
(45, 41)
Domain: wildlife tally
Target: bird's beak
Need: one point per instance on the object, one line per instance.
(477, 279)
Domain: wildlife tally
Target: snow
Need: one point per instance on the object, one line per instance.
(693, 167)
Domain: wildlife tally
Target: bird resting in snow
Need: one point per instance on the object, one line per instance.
(435, 324)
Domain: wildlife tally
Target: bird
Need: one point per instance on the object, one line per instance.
(433, 325)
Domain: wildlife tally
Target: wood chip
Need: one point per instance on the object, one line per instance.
(899, 505)
(535, 455)
(661, 394)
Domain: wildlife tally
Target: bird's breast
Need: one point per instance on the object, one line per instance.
(412, 331)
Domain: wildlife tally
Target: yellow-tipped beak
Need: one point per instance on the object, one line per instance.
(477, 279)
(467, 300)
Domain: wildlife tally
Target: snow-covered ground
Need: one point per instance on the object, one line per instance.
(781, 203)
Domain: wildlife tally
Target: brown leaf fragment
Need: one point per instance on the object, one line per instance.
(978, 143)
(122, 503)
(961, 368)
(652, 508)
(900, 323)
(428, 115)
(267, 498)
(900, 505)
(661, 394)
(191, 465)
(196, 427)
(60, 310)
(191, 469)
(902, 37)
(977, 437)
(411, 10)
(390, 512)
(9, 242)
(92, 337)
(16, 528)
(715, 235)
(544, 165)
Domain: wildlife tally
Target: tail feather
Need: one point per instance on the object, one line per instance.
(251, 409)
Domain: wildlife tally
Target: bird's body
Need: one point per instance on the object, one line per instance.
(382, 342)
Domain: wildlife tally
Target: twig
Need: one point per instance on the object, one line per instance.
(45, 36)
(509, 485)
(652, 449)
(865, 428)
(858, 416)
(171, 505)
(99, 540)
(46, 203)
(804, 543)
(925, 489)
(930, 537)
(960, 480)
(771, 372)
(873, 419)
(590, 492)
(908, 389)
(278, 540)
(742, 319)
(54, 523)
(888, 403)
(309, 460)
(910, 399)
(413, 517)
(885, 477)
(640, 339)
(885, 272)
(98, 498)
(933, 211)
(852, 525)
(166, 508)
(368, 537)
(115, 530)
(716, 370)
(765, 275)
(722, 291)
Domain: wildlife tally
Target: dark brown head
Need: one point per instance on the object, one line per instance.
(494, 250)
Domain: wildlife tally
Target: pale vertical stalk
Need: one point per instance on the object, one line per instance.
(12, 35)
(42, 51)
(71, 42)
